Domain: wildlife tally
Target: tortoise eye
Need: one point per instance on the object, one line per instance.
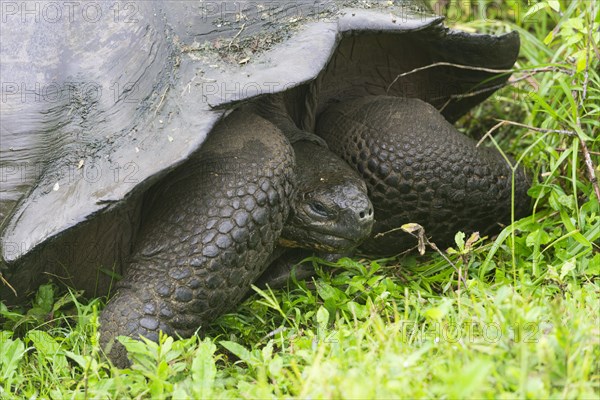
(319, 208)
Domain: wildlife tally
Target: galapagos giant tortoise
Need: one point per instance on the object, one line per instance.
(106, 113)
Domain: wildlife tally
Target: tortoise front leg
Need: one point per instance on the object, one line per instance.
(207, 232)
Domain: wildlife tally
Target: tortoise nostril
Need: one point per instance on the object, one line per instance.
(368, 213)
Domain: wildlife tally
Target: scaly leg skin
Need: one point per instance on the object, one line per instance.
(288, 266)
(419, 168)
(208, 229)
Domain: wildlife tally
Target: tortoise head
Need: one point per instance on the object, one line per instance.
(332, 212)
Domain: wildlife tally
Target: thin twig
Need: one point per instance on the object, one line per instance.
(542, 130)
(595, 47)
(531, 72)
(586, 75)
(236, 36)
(423, 240)
(162, 98)
(591, 170)
(493, 88)
(446, 64)
(562, 150)
(189, 86)
(4, 281)
(382, 234)
(503, 122)
(470, 94)
(586, 153)
(489, 133)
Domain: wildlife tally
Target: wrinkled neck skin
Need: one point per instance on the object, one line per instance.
(275, 109)
(332, 212)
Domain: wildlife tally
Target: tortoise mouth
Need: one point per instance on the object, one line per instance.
(326, 243)
(323, 238)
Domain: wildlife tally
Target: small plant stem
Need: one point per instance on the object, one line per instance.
(512, 229)
(530, 73)
(586, 153)
(5, 282)
(446, 64)
(590, 169)
(162, 98)
(236, 36)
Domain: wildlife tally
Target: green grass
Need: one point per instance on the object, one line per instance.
(523, 323)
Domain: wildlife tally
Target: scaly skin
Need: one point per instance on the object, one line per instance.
(419, 168)
(289, 265)
(332, 211)
(208, 231)
(331, 214)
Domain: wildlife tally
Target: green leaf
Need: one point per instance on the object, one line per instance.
(329, 293)
(276, 366)
(82, 361)
(506, 232)
(11, 353)
(581, 57)
(238, 350)
(554, 4)
(44, 297)
(459, 239)
(434, 313)
(48, 348)
(322, 317)
(549, 37)
(358, 310)
(566, 268)
(536, 8)
(538, 237)
(470, 379)
(132, 345)
(573, 25)
(594, 266)
(203, 374)
(267, 351)
(439, 312)
(43, 342)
